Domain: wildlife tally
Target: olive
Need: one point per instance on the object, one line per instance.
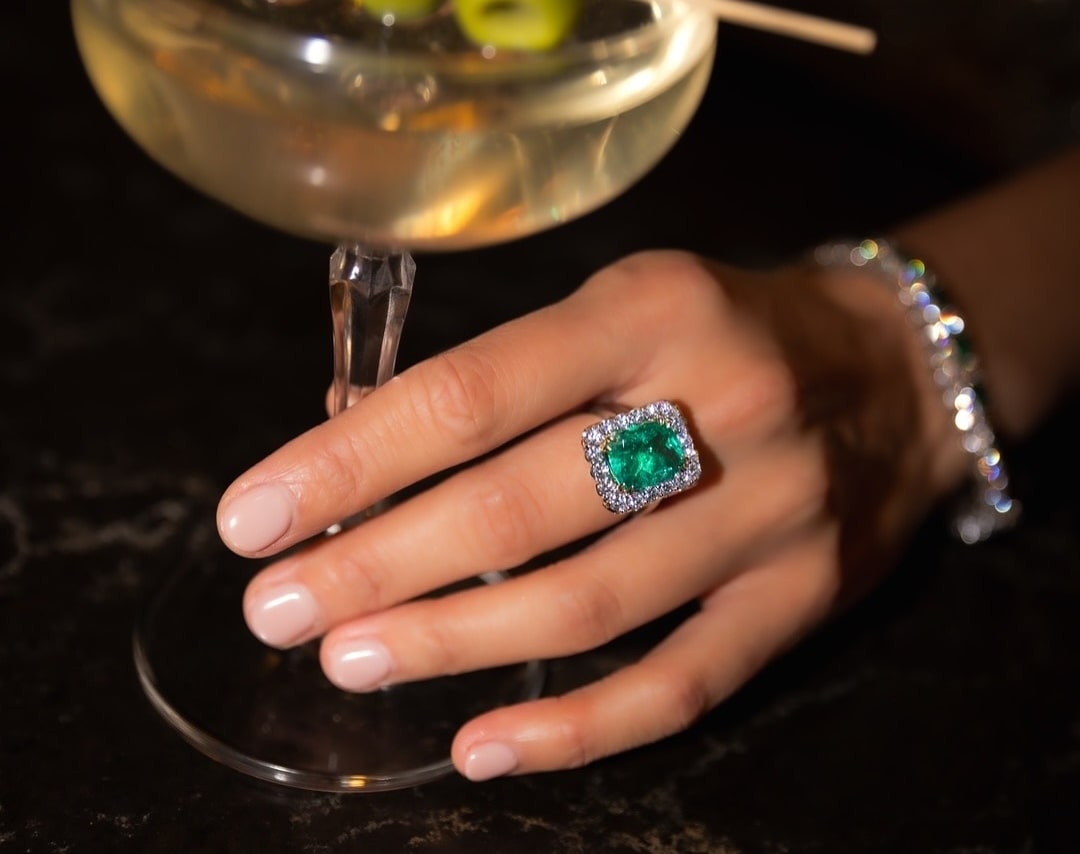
(399, 10)
(533, 25)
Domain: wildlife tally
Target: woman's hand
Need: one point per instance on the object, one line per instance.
(823, 442)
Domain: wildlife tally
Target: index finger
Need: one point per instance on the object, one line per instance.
(439, 414)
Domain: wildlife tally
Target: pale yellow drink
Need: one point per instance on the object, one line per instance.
(338, 141)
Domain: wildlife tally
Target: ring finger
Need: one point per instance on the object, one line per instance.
(631, 576)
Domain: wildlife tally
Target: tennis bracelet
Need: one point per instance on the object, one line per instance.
(988, 508)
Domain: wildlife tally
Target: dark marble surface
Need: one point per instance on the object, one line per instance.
(152, 345)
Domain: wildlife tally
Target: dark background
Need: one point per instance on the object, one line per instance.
(153, 345)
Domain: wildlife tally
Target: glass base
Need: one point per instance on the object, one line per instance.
(273, 715)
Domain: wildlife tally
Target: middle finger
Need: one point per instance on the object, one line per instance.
(495, 515)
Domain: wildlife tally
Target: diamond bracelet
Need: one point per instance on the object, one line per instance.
(988, 508)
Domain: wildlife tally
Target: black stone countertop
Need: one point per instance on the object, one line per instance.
(152, 345)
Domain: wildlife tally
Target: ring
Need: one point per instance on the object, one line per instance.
(640, 456)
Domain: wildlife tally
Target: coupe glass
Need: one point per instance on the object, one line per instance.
(346, 123)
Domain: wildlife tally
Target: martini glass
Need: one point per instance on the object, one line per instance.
(385, 128)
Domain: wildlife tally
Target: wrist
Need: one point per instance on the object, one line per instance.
(950, 422)
(929, 433)
(1009, 259)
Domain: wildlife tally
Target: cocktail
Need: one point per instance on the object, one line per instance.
(338, 121)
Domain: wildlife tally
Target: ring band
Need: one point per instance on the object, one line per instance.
(640, 456)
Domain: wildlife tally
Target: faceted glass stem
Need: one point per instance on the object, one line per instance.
(369, 296)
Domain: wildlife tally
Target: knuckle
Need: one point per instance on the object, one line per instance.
(354, 582)
(661, 292)
(590, 614)
(761, 400)
(680, 699)
(644, 267)
(578, 752)
(822, 593)
(436, 640)
(503, 517)
(670, 702)
(686, 274)
(802, 494)
(457, 395)
(820, 584)
(575, 740)
(810, 479)
(335, 470)
(773, 387)
(792, 499)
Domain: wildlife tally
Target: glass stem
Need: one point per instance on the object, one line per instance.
(369, 296)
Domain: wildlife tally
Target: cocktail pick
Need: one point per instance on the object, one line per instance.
(799, 25)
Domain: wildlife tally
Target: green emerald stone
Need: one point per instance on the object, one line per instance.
(644, 455)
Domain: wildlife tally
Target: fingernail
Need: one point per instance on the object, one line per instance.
(489, 760)
(282, 616)
(358, 665)
(257, 519)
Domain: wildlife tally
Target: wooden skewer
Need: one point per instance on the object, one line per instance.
(798, 25)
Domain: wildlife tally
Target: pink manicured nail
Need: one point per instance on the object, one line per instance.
(257, 519)
(488, 760)
(358, 665)
(282, 615)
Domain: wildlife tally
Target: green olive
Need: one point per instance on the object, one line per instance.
(401, 10)
(517, 24)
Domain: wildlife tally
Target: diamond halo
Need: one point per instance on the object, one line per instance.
(597, 439)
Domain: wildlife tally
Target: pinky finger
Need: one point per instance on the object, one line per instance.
(739, 629)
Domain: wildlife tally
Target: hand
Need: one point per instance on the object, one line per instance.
(823, 443)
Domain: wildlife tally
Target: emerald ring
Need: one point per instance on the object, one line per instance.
(640, 456)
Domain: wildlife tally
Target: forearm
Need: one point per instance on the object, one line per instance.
(1009, 259)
